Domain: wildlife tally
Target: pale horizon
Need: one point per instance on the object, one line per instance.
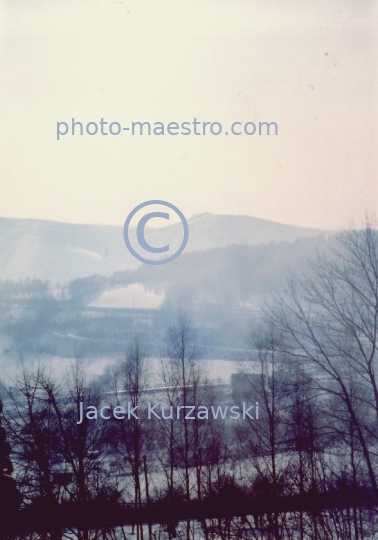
(310, 68)
(154, 224)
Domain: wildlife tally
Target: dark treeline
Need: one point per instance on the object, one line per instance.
(231, 274)
(304, 467)
(27, 288)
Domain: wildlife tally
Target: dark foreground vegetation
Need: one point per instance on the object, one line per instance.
(231, 513)
(305, 468)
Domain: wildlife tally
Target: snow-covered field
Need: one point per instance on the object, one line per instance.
(131, 296)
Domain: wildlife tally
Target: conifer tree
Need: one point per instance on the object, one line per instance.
(10, 497)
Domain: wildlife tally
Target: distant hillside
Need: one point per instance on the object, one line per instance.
(209, 231)
(231, 275)
(60, 252)
(56, 251)
(237, 273)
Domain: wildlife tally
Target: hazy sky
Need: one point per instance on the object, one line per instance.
(309, 66)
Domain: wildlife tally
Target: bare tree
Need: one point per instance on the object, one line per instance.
(264, 438)
(329, 319)
(133, 439)
(30, 423)
(185, 386)
(53, 449)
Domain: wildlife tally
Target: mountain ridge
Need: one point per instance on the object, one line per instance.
(59, 251)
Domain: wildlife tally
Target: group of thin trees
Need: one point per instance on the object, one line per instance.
(306, 467)
(136, 462)
(315, 451)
